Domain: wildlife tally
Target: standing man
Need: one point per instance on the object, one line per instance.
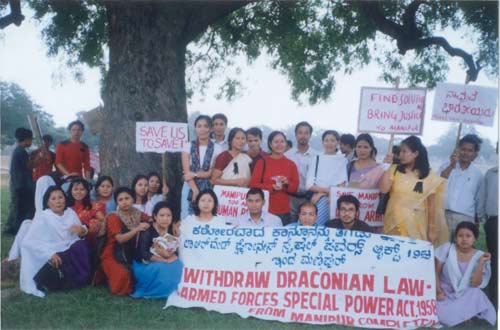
(42, 159)
(256, 217)
(303, 156)
(464, 181)
(347, 145)
(488, 208)
(73, 156)
(254, 139)
(219, 126)
(22, 190)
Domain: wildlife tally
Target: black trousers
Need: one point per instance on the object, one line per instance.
(491, 230)
(22, 207)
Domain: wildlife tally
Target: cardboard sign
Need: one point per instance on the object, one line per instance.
(466, 104)
(368, 200)
(309, 275)
(232, 202)
(392, 110)
(95, 162)
(159, 136)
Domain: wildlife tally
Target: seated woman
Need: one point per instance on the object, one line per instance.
(104, 193)
(54, 257)
(328, 169)
(461, 273)
(232, 167)
(205, 212)
(140, 190)
(308, 214)
(157, 269)
(122, 228)
(91, 214)
(157, 192)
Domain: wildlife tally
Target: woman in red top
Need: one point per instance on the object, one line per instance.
(278, 175)
(121, 232)
(91, 214)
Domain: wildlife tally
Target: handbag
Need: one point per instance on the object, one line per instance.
(49, 278)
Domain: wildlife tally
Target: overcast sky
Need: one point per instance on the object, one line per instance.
(266, 99)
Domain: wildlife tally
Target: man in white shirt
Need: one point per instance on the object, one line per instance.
(219, 126)
(303, 156)
(256, 217)
(464, 182)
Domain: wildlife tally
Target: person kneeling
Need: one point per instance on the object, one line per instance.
(157, 269)
(54, 257)
(348, 207)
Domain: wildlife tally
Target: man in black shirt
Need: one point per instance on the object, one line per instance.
(21, 184)
(348, 207)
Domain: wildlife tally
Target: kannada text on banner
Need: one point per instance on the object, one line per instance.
(232, 202)
(391, 110)
(466, 104)
(368, 202)
(159, 136)
(309, 275)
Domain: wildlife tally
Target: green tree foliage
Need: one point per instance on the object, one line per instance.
(308, 41)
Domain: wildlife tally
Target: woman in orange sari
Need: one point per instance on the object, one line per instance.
(415, 208)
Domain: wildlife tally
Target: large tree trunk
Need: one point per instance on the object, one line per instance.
(145, 82)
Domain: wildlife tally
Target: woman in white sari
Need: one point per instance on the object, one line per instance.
(232, 167)
(461, 273)
(54, 257)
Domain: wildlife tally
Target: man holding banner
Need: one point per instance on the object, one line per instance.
(464, 181)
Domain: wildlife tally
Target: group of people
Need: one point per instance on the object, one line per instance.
(107, 235)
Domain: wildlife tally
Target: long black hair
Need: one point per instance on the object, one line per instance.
(156, 174)
(49, 192)
(368, 139)
(421, 162)
(100, 180)
(86, 200)
(138, 177)
(164, 205)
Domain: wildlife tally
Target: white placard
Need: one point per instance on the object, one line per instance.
(466, 104)
(160, 136)
(232, 202)
(392, 110)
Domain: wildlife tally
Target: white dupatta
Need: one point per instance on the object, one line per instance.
(447, 253)
(48, 234)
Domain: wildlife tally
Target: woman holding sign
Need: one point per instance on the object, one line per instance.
(415, 208)
(156, 267)
(327, 169)
(232, 167)
(278, 175)
(197, 161)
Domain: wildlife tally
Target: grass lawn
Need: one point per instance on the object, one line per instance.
(95, 308)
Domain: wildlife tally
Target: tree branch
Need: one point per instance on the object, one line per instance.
(408, 36)
(15, 17)
(205, 13)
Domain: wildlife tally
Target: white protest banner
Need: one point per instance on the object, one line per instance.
(232, 202)
(309, 275)
(368, 200)
(392, 110)
(466, 104)
(160, 136)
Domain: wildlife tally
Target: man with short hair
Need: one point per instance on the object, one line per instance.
(73, 156)
(22, 190)
(348, 207)
(464, 181)
(347, 146)
(302, 155)
(42, 159)
(254, 139)
(219, 126)
(256, 217)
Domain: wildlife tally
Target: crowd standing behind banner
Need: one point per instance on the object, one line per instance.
(114, 240)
